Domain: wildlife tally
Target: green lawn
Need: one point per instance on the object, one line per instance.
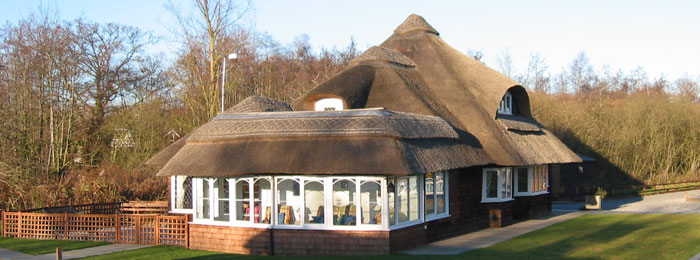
(38, 247)
(607, 236)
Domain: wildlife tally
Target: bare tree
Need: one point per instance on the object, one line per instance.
(536, 75)
(505, 63)
(478, 55)
(206, 38)
(112, 59)
(688, 88)
(581, 75)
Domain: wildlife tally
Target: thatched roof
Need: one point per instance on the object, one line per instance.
(259, 104)
(366, 141)
(249, 104)
(444, 82)
(162, 157)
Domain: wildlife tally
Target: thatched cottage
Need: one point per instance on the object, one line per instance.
(413, 142)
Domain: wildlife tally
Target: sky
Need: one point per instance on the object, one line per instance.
(660, 36)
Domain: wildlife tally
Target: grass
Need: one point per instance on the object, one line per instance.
(608, 236)
(39, 247)
(614, 236)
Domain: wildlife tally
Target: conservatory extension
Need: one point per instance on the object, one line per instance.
(298, 202)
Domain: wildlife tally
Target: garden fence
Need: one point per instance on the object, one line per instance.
(114, 228)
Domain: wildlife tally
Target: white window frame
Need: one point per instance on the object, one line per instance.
(499, 193)
(329, 104)
(506, 105)
(529, 181)
(446, 190)
(421, 201)
(327, 181)
(173, 196)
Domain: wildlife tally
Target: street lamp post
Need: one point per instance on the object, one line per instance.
(231, 56)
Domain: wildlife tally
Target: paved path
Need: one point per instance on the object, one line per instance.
(487, 237)
(79, 253)
(673, 202)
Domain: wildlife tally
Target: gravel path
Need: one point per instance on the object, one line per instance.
(673, 202)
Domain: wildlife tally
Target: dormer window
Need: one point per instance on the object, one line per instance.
(328, 104)
(506, 107)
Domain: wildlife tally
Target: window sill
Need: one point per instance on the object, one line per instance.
(181, 211)
(527, 194)
(436, 217)
(406, 224)
(241, 224)
(495, 200)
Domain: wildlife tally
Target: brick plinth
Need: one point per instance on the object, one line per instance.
(257, 241)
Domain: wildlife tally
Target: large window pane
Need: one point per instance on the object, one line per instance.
(440, 192)
(344, 210)
(370, 202)
(506, 186)
(313, 199)
(522, 177)
(183, 192)
(539, 178)
(221, 191)
(242, 200)
(203, 205)
(491, 184)
(289, 204)
(391, 191)
(402, 192)
(413, 198)
(429, 194)
(262, 199)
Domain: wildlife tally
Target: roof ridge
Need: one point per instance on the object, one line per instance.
(413, 23)
(379, 53)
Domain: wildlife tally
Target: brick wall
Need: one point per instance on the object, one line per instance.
(256, 241)
(407, 238)
(236, 240)
(532, 206)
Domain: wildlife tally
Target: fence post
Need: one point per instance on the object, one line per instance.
(19, 224)
(138, 229)
(117, 228)
(157, 231)
(65, 225)
(187, 231)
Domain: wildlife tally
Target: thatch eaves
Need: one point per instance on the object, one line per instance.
(368, 142)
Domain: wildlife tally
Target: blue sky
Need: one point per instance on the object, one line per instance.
(661, 36)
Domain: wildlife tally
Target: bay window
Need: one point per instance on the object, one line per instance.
(318, 202)
(497, 185)
(435, 197)
(371, 202)
(181, 194)
(203, 198)
(344, 209)
(531, 180)
(314, 210)
(221, 192)
(288, 201)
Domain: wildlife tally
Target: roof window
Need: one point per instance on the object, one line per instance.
(328, 104)
(506, 106)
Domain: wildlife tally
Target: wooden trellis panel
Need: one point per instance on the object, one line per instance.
(115, 228)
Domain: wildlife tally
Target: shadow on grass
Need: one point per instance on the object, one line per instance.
(574, 240)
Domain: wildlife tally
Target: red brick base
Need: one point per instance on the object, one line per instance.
(258, 241)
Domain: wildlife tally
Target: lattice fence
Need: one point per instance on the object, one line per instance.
(115, 228)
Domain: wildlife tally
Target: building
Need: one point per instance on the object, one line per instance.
(413, 142)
